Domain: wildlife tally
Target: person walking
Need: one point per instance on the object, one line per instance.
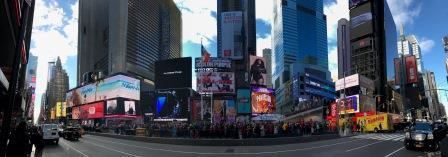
(19, 144)
(37, 141)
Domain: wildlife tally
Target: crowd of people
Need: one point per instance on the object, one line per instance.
(22, 139)
(229, 130)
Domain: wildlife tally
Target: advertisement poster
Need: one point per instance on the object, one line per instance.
(64, 109)
(173, 73)
(230, 111)
(333, 109)
(112, 87)
(263, 100)
(361, 19)
(76, 113)
(257, 70)
(243, 101)
(196, 110)
(129, 107)
(411, 69)
(213, 62)
(111, 106)
(397, 70)
(58, 109)
(350, 104)
(53, 114)
(91, 111)
(218, 111)
(231, 26)
(215, 82)
(172, 105)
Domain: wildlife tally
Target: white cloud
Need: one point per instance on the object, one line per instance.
(404, 11)
(197, 20)
(335, 11)
(48, 42)
(264, 10)
(426, 45)
(333, 62)
(263, 43)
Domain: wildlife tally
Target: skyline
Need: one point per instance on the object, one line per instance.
(57, 21)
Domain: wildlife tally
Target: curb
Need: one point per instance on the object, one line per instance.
(222, 142)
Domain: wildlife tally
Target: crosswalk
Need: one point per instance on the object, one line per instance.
(381, 136)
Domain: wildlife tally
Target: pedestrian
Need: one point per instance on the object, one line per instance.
(19, 144)
(37, 141)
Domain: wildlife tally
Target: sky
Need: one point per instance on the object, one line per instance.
(55, 31)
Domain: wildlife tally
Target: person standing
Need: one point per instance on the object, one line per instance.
(19, 144)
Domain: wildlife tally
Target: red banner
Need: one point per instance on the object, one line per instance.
(90, 111)
(397, 70)
(334, 109)
(411, 69)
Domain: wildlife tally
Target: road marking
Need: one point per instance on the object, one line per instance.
(363, 146)
(74, 148)
(203, 153)
(394, 152)
(112, 149)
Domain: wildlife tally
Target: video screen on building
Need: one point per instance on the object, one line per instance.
(215, 82)
(201, 112)
(243, 101)
(263, 100)
(172, 105)
(92, 111)
(173, 73)
(257, 70)
(224, 111)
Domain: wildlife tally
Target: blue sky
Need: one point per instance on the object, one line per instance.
(55, 32)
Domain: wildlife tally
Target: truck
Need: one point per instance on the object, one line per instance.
(376, 123)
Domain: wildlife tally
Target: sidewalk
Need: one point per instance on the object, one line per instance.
(222, 142)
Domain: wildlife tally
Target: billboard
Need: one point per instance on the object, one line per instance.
(231, 28)
(215, 82)
(350, 104)
(347, 82)
(354, 3)
(201, 111)
(243, 101)
(397, 68)
(58, 109)
(76, 113)
(111, 107)
(129, 108)
(172, 105)
(91, 111)
(230, 111)
(52, 113)
(219, 110)
(257, 70)
(64, 109)
(445, 43)
(173, 73)
(213, 62)
(263, 100)
(411, 69)
(112, 87)
(361, 19)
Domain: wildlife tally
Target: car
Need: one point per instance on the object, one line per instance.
(50, 132)
(422, 135)
(71, 133)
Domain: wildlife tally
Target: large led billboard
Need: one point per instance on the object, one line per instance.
(108, 88)
(263, 100)
(173, 73)
(172, 105)
(231, 27)
(201, 111)
(349, 104)
(243, 101)
(92, 111)
(411, 69)
(215, 82)
(257, 70)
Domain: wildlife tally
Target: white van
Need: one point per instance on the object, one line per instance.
(50, 132)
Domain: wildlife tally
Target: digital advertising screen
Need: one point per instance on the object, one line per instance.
(172, 105)
(111, 107)
(350, 104)
(201, 112)
(231, 25)
(219, 111)
(230, 111)
(173, 73)
(263, 100)
(215, 82)
(257, 70)
(243, 101)
(92, 111)
(76, 113)
(129, 108)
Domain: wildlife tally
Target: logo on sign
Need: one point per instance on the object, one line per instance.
(92, 110)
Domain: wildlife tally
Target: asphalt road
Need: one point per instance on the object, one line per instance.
(368, 145)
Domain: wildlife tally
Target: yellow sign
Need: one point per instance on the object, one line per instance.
(52, 116)
(58, 109)
(64, 109)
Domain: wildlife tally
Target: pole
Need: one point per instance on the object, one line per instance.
(12, 91)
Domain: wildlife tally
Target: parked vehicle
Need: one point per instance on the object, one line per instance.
(71, 133)
(423, 135)
(376, 123)
(50, 132)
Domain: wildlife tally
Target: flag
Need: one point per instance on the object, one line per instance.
(204, 53)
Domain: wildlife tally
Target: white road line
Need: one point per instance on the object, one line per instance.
(74, 148)
(394, 152)
(112, 149)
(363, 146)
(202, 153)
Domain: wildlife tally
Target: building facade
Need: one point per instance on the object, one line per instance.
(434, 107)
(343, 48)
(373, 39)
(127, 36)
(299, 36)
(31, 85)
(267, 54)
(57, 86)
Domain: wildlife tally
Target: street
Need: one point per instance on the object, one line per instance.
(366, 145)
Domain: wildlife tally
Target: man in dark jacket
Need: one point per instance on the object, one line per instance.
(19, 144)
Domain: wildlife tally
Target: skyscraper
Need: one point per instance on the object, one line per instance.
(343, 48)
(373, 39)
(300, 38)
(267, 54)
(57, 85)
(30, 81)
(127, 36)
